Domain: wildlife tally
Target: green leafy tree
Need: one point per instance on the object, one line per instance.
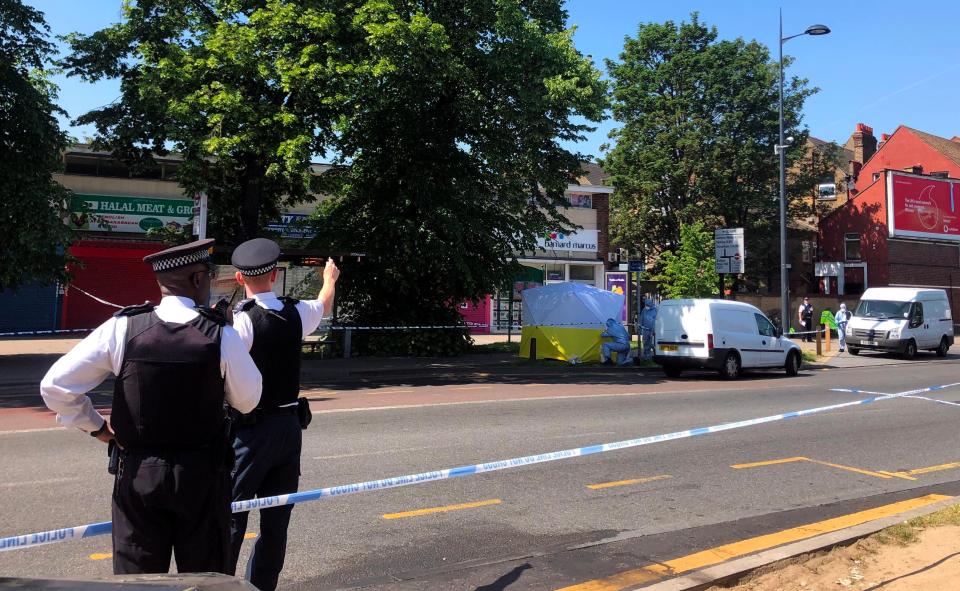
(688, 271)
(444, 120)
(451, 129)
(33, 236)
(217, 82)
(698, 122)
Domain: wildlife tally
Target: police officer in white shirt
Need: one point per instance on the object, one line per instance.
(268, 440)
(175, 365)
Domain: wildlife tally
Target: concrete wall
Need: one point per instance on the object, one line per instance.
(100, 185)
(770, 305)
(926, 264)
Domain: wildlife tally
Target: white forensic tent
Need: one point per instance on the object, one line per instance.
(566, 319)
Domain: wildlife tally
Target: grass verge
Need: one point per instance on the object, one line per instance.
(908, 532)
(501, 347)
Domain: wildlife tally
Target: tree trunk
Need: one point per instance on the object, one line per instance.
(252, 183)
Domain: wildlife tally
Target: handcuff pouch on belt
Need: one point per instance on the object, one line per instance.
(303, 412)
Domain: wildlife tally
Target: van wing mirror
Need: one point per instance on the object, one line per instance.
(777, 332)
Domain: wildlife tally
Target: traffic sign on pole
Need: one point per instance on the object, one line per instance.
(730, 251)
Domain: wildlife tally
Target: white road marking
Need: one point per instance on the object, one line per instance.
(373, 453)
(39, 429)
(572, 435)
(947, 402)
(37, 482)
(572, 397)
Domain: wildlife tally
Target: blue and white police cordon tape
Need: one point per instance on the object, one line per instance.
(35, 333)
(102, 528)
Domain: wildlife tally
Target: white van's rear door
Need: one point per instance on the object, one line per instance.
(682, 329)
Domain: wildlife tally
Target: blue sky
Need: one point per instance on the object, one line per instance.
(886, 63)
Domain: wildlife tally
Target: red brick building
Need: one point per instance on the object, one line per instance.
(901, 224)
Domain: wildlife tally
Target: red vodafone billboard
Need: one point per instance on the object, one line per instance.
(922, 207)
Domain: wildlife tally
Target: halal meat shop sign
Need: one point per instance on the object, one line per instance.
(922, 207)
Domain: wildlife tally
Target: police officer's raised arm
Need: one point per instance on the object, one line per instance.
(64, 388)
(312, 311)
(243, 383)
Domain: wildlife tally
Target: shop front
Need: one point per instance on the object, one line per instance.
(559, 258)
(113, 232)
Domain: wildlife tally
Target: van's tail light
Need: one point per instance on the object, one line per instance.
(709, 342)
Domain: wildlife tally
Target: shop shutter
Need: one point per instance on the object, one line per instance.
(115, 273)
(32, 307)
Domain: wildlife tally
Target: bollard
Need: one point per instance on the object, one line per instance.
(533, 349)
(828, 338)
(819, 349)
(347, 337)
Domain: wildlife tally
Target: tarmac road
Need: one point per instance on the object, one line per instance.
(549, 525)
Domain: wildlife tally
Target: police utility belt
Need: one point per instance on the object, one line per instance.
(301, 409)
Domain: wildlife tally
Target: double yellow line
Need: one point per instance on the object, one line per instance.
(631, 578)
(875, 474)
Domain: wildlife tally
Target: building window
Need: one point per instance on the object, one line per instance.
(581, 200)
(556, 272)
(583, 273)
(807, 249)
(851, 244)
(827, 191)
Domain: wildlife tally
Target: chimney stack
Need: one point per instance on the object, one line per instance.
(864, 143)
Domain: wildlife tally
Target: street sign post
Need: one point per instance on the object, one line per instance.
(730, 251)
(200, 215)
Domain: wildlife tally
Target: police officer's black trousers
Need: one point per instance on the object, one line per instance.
(268, 463)
(176, 503)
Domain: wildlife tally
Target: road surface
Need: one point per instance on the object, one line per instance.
(545, 526)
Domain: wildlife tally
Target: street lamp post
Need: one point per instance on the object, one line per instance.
(781, 147)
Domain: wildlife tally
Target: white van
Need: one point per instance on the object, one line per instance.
(723, 335)
(901, 320)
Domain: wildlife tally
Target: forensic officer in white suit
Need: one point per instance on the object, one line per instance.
(175, 365)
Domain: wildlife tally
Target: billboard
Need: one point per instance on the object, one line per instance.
(617, 283)
(922, 207)
(293, 225)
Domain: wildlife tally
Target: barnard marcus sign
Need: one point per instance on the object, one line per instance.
(582, 241)
(137, 215)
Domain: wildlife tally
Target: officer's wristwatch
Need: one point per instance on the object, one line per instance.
(99, 431)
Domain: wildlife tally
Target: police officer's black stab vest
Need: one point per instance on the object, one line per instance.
(277, 337)
(169, 394)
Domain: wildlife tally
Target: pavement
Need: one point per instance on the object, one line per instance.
(604, 521)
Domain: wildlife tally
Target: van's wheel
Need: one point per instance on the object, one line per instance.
(910, 351)
(944, 347)
(793, 363)
(672, 371)
(730, 370)
(853, 350)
